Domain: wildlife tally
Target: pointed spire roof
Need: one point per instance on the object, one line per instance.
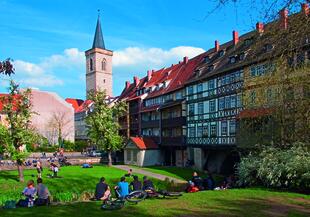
(98, 39)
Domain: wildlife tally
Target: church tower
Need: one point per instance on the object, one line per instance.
(99, 64)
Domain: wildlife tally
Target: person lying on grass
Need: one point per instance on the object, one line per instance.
(102, 191)
(135, 185)
(87, 165)
(42, 193)
(122, 188)
(129, 173)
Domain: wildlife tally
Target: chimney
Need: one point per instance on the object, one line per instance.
(149, 75)
(283, 18)
(260, 27)
(185, 60)
(217, 46)
(305, 9)
(136, 80)
(235, 37)
(127, 84)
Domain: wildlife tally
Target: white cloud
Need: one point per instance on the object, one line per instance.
(153, 57)
(53, 70)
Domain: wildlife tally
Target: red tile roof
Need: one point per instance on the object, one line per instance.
(83, 106)
(144, 143)
(76, 103)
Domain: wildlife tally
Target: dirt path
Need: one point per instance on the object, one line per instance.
(150, 174)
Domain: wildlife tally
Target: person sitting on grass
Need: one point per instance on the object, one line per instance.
(122, 188)
(197, 180)
(135, 185)
(147, 184)
(102, 191)
(129, 173)
(55, 170)
(191, 188)
(42, 193)
(209, 183)
(29, 192)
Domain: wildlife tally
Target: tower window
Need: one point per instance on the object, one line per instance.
(103, 64)
(104, 81)
(91, 65)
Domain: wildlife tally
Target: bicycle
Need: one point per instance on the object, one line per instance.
(133, 197)
(152, 193)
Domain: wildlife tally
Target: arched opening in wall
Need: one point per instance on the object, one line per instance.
(103, 64)
(228, 165)
(91, 65)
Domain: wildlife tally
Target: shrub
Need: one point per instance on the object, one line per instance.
(275, 167)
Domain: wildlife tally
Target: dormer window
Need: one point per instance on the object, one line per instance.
(206, 59)
(242, 56)
(210, 68)
(233, 59)
(248, 41)
(268, 47)
(221, 53)
(198, 72)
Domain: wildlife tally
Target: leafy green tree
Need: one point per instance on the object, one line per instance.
(102, 122)
(19, 136)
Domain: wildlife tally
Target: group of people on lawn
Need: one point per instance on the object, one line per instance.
(123, 188)
(199, 184)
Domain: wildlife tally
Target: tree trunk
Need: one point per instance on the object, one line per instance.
(20, 172)
(109, 158)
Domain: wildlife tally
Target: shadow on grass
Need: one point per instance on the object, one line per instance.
(218, 207)
(9, 176)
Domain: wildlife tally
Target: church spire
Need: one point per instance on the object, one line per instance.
(98, 39)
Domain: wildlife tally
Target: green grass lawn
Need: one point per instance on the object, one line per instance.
(239, 202)
(178, 172)
(78, 182)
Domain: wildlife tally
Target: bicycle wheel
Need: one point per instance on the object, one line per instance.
(136, 196)
(113, 205)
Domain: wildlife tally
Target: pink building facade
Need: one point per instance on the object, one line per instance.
(53, 115)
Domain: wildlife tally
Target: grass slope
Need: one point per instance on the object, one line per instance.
(239, 202)
(76, 184)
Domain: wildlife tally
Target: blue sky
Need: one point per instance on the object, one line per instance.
(47, 38)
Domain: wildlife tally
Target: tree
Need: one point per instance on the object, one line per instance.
(102, 122)
(17, 107)
(59, 125)
(6, 67)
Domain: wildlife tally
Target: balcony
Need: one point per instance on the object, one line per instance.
(173, 122)
(173, 141)
(150, 124)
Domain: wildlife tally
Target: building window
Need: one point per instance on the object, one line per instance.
(210, 68)
(212, 105)
(104, 81)
(91, 65)
(233, 59)
(207, 59)
(200, 108)
(221, 53)
(213, 130)
(221, 103)
(211, 84)
(227, 102)
(224, 128)
(191, 109)
(190, 90)
(268, 47)
(233, 101)
(199, 88)
(232, 127)
(199, 131)
(103, 65)
(239, 102)
(205, 131)
(191, 132)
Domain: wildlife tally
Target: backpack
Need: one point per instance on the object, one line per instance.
(10, 204)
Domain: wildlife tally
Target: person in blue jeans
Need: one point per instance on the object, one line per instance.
(122, 188)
